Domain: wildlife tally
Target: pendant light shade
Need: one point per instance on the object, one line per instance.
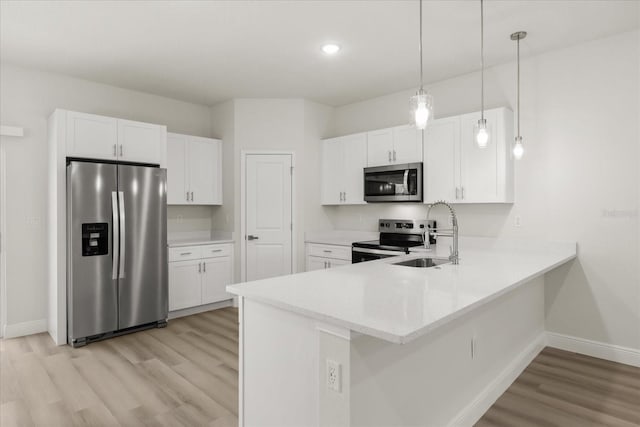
(518, 148)
(421, 103)
(421, 109)
(482, 130)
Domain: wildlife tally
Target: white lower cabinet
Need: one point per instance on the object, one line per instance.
(320, 256)
(199, 275)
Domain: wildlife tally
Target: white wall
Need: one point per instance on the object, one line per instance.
(578, 180)
(272, 124)
(28, 98)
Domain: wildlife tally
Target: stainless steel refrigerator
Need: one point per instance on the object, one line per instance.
(117, 272)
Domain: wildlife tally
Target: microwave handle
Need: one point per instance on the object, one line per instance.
(406, 181)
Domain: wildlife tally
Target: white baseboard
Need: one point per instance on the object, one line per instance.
(614, 353)
(481, 404)
(200, 309)
(25, 328)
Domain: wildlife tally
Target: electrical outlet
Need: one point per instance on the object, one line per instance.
(334, 376)
(517, 221)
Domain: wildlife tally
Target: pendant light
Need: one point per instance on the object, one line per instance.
(482, 130)
(518, 149)
(422, 102)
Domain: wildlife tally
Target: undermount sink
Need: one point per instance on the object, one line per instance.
(423, 262)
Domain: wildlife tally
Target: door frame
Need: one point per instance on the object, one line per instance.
(3, 239)
(243, 206)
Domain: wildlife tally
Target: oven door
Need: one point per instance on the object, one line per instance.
(394, 183)
(365, 254)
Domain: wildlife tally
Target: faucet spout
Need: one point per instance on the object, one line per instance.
(454, 256)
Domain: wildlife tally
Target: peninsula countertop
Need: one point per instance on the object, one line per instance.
(398, 303)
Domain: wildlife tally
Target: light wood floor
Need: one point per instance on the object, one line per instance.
(566, 389)
(185, 374)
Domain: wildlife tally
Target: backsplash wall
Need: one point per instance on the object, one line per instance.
(189, 218)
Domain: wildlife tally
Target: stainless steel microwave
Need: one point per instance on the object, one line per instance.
(393, 183)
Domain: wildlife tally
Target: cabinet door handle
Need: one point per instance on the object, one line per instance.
(192, 196)
(216, 250)
(327, 251)
(389, 152)
(114, 150)
(121, 151)
(324, 264)
(394, 155)
(204, 267)
(345, 197)
(187, 196)
(462, 193)
(185, 253)
(199, 267)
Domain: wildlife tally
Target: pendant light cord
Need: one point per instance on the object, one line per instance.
(482, 59)
(518, 101)
(420, 47)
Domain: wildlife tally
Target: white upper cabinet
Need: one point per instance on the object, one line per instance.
(91, 136)
(176, 169)
(441, 169)
(343, 161)
(141, 142)
(401, 144)
(205, 170)
(194, 170)
(407, 144)
(105, 138)
(457, 170)
(379, 147)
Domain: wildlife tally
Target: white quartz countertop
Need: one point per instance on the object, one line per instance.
(398, 303)
(187, 242)
(196, 238)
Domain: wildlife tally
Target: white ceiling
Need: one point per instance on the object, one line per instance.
(210, 51)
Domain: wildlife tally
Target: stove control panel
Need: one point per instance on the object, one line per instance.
(404, 226)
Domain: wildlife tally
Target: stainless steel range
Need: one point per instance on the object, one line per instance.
(397, 237)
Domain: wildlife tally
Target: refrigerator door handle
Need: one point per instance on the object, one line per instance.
(115, 235)
(122, 233)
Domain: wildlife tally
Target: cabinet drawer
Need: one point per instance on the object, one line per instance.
(330, 251)
(214, 251)
(185, 253)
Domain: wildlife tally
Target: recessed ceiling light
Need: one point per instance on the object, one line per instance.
(330, 48)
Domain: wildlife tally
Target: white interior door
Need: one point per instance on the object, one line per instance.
(268, 215)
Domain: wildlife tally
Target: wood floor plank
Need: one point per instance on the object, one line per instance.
(74, 390)
(213, 386)
(561, 388)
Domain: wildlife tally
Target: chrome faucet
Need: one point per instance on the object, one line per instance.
(450, 232)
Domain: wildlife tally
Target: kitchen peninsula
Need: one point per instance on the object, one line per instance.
(381, 344)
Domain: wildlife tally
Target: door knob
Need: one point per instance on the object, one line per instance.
(250, 237)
